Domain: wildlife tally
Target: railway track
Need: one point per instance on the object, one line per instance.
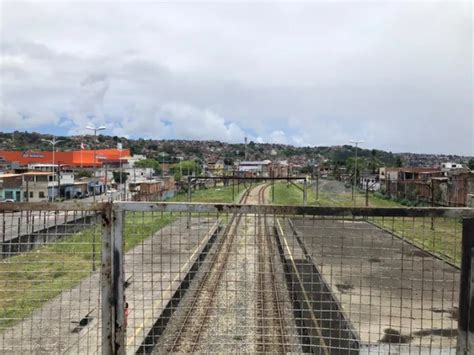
(271, 328)
(188, 336)
(269, 325)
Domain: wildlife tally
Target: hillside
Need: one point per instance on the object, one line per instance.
(212, 150)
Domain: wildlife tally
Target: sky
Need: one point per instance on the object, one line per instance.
(397, 75)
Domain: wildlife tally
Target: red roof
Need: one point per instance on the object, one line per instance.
(74, 158)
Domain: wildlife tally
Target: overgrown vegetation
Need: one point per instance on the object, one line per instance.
(441, 236)
(221, 194)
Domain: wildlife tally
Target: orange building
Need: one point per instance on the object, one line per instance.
(76, 158)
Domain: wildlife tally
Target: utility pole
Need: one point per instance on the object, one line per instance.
(59, 181)
(245, 149)
(27, 190)
(355, 168)
(119, 146)
(162, 164)
(95, 129)
(53, 142)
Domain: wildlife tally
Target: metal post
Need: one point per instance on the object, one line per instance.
(273, 189)
(317, 184)
(106, 283)
(188, 224)
(59, 182)
(367, 194)
(233, 186)
(118, 288)
(305, 195)
(466, 295)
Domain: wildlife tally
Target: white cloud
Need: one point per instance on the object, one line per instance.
(301, 73)
(195, 123)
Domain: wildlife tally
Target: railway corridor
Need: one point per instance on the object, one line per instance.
(241, 303)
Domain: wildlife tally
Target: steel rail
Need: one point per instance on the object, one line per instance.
(228, 235)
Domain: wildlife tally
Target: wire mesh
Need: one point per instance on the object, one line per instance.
(49, 282)
(226, 278)
(276, 281)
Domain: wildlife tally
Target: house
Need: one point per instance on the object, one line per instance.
(153, 190)
(31, 186)
(255, 168)
(370, 181)
(450, 166)
(216, 167)
(12, 187)
(279, 169)
(36, 186)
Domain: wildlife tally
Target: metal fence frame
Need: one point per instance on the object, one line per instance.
(113, 331)
(112, 283)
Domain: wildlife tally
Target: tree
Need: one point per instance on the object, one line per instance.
(177, 176)
(398, 162)
(84, 173)
(470, 164)
(149, 163)
(116, 175)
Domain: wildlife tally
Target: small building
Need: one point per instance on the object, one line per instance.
(12, 187)
(370, 181)
(153, 190)
(255, 168)
(35, 186)
(450, 166)
(279, 169)
(216, 167)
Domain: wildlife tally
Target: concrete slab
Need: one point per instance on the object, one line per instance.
(398, 298)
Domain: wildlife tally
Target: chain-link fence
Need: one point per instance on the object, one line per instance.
(49, 280)
(235, 278)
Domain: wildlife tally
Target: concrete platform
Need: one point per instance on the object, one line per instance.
(154, 270)
(398, 298)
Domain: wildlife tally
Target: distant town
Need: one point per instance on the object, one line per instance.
(41, 168)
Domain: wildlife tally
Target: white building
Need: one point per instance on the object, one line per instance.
(450, 166)
(258, 168)
(134, 159)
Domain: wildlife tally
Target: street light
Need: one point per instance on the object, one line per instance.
(355, 167)
(53, 142)
(95, 129)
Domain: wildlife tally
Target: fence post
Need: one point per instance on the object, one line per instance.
(118, 288)
(305, 196)
(106, 282)
(188, 223)
(466, 295)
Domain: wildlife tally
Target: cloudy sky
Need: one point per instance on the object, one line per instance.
(395, 74)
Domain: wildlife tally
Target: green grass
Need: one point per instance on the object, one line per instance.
(30, 279)
(444, 239)
(291, 195)
(211, 195)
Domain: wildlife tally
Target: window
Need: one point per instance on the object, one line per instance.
(31, 194)
(41, 194)
(25, 194)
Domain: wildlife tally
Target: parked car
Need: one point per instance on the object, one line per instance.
(10, 200)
